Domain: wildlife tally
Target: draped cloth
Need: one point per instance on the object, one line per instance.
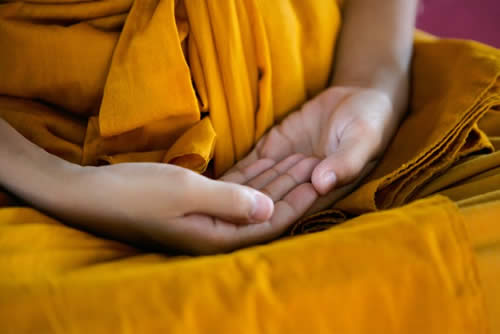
(159, 80)
(449, 135)
(195, 83)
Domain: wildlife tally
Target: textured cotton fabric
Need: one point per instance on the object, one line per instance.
(130, 81)
(449, 135)
(408, 270)
(196, 83)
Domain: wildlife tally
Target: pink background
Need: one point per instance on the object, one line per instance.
(469, 19)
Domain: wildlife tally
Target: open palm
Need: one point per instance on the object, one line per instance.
(343, 129)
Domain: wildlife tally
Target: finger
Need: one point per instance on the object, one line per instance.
(277, 145)
(201, 234)
(328, 200)
(250, 158)
(343, 165)
(275, 171)
(298, 174)
(243, 175)
(287, 211)
(294, 205)
(230, 201)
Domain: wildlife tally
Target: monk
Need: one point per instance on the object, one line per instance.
(202, 127)
(314, 150)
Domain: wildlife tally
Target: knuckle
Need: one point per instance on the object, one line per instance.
(291, 179)
(276, 172)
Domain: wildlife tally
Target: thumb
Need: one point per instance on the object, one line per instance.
(343, 165)
(230, 201)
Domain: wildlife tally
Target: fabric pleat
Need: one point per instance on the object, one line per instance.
(413, 249)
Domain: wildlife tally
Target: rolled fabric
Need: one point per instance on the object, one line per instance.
(454, 84)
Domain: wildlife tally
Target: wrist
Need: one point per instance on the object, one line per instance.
(30, 172)
(385, 78)
(391, 80)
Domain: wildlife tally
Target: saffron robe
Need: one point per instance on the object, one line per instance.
(193, 82)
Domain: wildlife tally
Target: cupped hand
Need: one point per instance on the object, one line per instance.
(160, 205)
(170, 207)
(344, 128)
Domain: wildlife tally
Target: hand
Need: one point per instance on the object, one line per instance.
(163, 206)
(345, 128)
(173, 208)
(169, 207)
(159, 205)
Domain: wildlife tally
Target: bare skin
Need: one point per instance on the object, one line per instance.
(348, 126)
(342, 131)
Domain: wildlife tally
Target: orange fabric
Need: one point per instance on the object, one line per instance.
(114, 81)
(348, 279)
(483, 225)
(428, 157)
(454, 101)
(141, 73)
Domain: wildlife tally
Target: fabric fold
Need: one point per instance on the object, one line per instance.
(171, 81)
(454, 84)
(199, 141)
(149, 79)
(127, 66)
(424, 280)
(454, 94)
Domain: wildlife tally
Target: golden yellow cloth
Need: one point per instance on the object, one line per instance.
(144, 73)
(349, 279)
(483, 226)
(453, 120)
(179, 81)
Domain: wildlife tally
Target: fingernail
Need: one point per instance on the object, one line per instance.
(329, 179)
(263, 208)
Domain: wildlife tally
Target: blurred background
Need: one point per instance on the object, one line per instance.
(469, 19)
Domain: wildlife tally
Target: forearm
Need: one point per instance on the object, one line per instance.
(375, 47)
(28, 171)
(54, 185)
